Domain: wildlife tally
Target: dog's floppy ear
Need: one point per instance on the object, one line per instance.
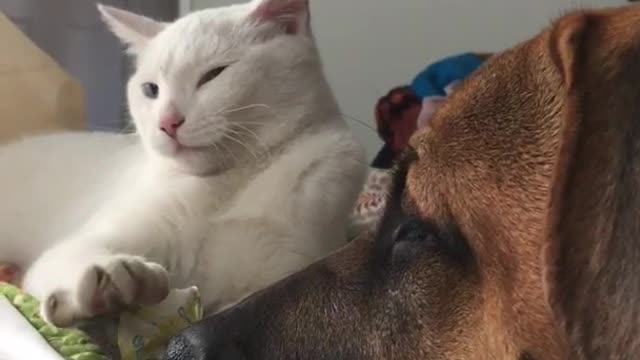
(592, 254)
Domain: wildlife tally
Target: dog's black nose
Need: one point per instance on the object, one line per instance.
(237, 333)
(213, 338)
(191, 346)
(181, 349)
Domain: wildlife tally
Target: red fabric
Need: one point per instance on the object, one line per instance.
(396, 116)
(8, 273)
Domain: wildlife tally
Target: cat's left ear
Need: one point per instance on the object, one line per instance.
(292, 16)
(133, 30)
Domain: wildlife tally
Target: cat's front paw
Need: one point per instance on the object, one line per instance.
(107, 287)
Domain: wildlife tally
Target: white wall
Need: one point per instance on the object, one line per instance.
(369, 46)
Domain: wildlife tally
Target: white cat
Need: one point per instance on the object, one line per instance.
(242, 170)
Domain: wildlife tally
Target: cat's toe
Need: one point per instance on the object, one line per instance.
(79, 300)
(57, 310)
(154, 286)
(138, 282)
(115, 285)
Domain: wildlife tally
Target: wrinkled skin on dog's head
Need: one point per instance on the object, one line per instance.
(512, 230)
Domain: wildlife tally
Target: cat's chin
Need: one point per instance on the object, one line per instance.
(194, 160)
(182, 150)
(199, 161)
(174, 149)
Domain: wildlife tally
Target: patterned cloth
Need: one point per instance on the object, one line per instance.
(371, 202)
(405, 109)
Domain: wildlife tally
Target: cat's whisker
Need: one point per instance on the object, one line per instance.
(259, 141)
(360, 122)
(228, 150)
(214, 146)
(256, 153)
(238, 115)
(227, 135)
(246, 129)
(254, 123)
(206, 124)
(235, 130)
(260, 123)
(247, 107)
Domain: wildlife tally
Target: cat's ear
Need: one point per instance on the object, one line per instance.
(133, 30)
(292, 16)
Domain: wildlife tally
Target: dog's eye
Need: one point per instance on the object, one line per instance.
(210, 75)
(412, 238)
(415, 236)
(415, 230)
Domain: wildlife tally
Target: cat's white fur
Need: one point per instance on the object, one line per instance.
(260, 186)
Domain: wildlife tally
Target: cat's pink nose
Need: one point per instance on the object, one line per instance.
(170, 123)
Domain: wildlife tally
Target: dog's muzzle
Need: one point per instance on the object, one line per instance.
(213, 338)
(193, 346)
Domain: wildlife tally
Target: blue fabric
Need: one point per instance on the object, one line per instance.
(436, 77)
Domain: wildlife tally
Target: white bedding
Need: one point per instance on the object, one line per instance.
(18, 339)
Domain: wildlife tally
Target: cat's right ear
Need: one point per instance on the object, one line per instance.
(133, 30)
(291, 16)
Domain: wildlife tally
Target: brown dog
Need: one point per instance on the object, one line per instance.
(513, 230)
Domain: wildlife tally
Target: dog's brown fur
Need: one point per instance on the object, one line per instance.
(512, 231)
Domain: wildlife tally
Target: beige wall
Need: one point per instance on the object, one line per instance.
(369, 46)
(200, 4)
(71, 32)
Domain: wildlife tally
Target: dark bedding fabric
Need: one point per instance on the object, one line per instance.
(104, 333)
(384, 159)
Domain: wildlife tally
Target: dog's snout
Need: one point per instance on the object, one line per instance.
(215, 337)
(198, 343)
(180, 348)
(242, 332)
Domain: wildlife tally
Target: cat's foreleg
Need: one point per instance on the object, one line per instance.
(244, 255)
(96, 273)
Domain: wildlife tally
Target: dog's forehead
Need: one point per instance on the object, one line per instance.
(482, 137)
(480, 96)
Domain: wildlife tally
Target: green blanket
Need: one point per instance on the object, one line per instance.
(71, 344)
(143, 333)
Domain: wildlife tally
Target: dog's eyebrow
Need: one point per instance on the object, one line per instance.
(400, 172)
(394, 210)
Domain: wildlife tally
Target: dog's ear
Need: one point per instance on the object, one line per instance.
(592, 254)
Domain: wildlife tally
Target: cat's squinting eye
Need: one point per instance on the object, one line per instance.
(210, 75)
(150, 90)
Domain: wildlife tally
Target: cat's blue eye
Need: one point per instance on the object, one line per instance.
(210, 75)
(150, 90)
